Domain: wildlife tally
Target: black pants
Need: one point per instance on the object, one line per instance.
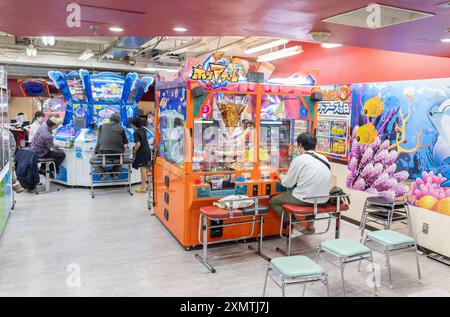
(57, 156)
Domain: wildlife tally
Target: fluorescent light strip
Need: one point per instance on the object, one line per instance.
(445, 40)
(180, 29)
(294, 50)
(161, 69)
(86, 55)
(330, 45)
(187, 46)
(271, 122)
(265, 46)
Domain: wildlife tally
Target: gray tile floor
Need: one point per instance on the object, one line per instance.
(121, 250)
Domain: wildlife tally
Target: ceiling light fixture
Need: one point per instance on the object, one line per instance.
(445, 40)
(48, 40)
(116, 29)
(180, 29)
(330, 45)
(86, 55)
(265, 46)
(294, 50)
(31, 51)
(319, 36)
(191, 45)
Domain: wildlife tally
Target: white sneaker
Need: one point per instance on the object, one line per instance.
(295, 234)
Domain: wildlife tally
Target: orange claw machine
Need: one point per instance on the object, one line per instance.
(218, 135)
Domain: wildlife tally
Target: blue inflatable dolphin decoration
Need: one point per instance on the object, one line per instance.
(439, 115)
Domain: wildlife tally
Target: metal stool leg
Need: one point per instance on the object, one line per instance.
(304, 289)
(265, 282)
(342, 265)
(419, 274)
(388, 263)
(373, 273)
(326, 284)
(283, 292)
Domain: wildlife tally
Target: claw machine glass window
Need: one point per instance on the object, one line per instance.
(283, 118)
(172, 119)
(224, 134)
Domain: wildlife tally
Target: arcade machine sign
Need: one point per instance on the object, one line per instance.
(333, 122)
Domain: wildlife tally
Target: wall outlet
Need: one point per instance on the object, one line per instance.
(425, 228)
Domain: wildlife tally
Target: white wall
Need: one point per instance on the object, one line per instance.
(438, 235)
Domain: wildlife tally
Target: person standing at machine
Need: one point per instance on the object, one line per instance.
(38, 119)
(309, 174)
(112, 139)
(141, 151)
(42, 143)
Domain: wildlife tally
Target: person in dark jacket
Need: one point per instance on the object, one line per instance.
(141, 151)
(112, 139)
(27, 170)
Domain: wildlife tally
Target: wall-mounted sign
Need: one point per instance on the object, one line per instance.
(333, 122)
(216, 72)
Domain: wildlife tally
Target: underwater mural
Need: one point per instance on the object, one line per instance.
(400, 146)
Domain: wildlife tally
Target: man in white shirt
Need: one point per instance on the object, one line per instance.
(309, 173)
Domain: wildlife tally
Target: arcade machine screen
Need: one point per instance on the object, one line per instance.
(54, 107)
(172, 118)
(80, 108)
(224, 135)
(106, 93)
(283, 118)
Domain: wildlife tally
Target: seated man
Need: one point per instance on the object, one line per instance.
(112, 139)
(42, 142)
(311, 176)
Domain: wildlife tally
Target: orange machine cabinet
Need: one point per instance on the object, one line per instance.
(215, 141)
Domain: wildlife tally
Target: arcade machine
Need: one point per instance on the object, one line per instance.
(91, 99)
(220, 135)
(6, 193)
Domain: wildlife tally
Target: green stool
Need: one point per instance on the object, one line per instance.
(393, 241)
(293, 270)
(347, 251)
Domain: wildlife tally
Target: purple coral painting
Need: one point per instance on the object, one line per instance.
(403, 130)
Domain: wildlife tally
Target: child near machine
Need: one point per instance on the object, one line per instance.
(141, 152)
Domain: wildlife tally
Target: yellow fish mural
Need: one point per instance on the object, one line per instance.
(366, 134)
(373, 107)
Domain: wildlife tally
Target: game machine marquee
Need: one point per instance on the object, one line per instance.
(221, 135)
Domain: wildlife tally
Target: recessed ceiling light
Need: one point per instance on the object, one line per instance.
(446, 40)
(330, 45)
(115, 29)
(180, 29)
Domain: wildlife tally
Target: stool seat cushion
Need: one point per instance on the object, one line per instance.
(309, 210)
(296, 266)
(345, 247)
(389, 237)
(221, 213)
